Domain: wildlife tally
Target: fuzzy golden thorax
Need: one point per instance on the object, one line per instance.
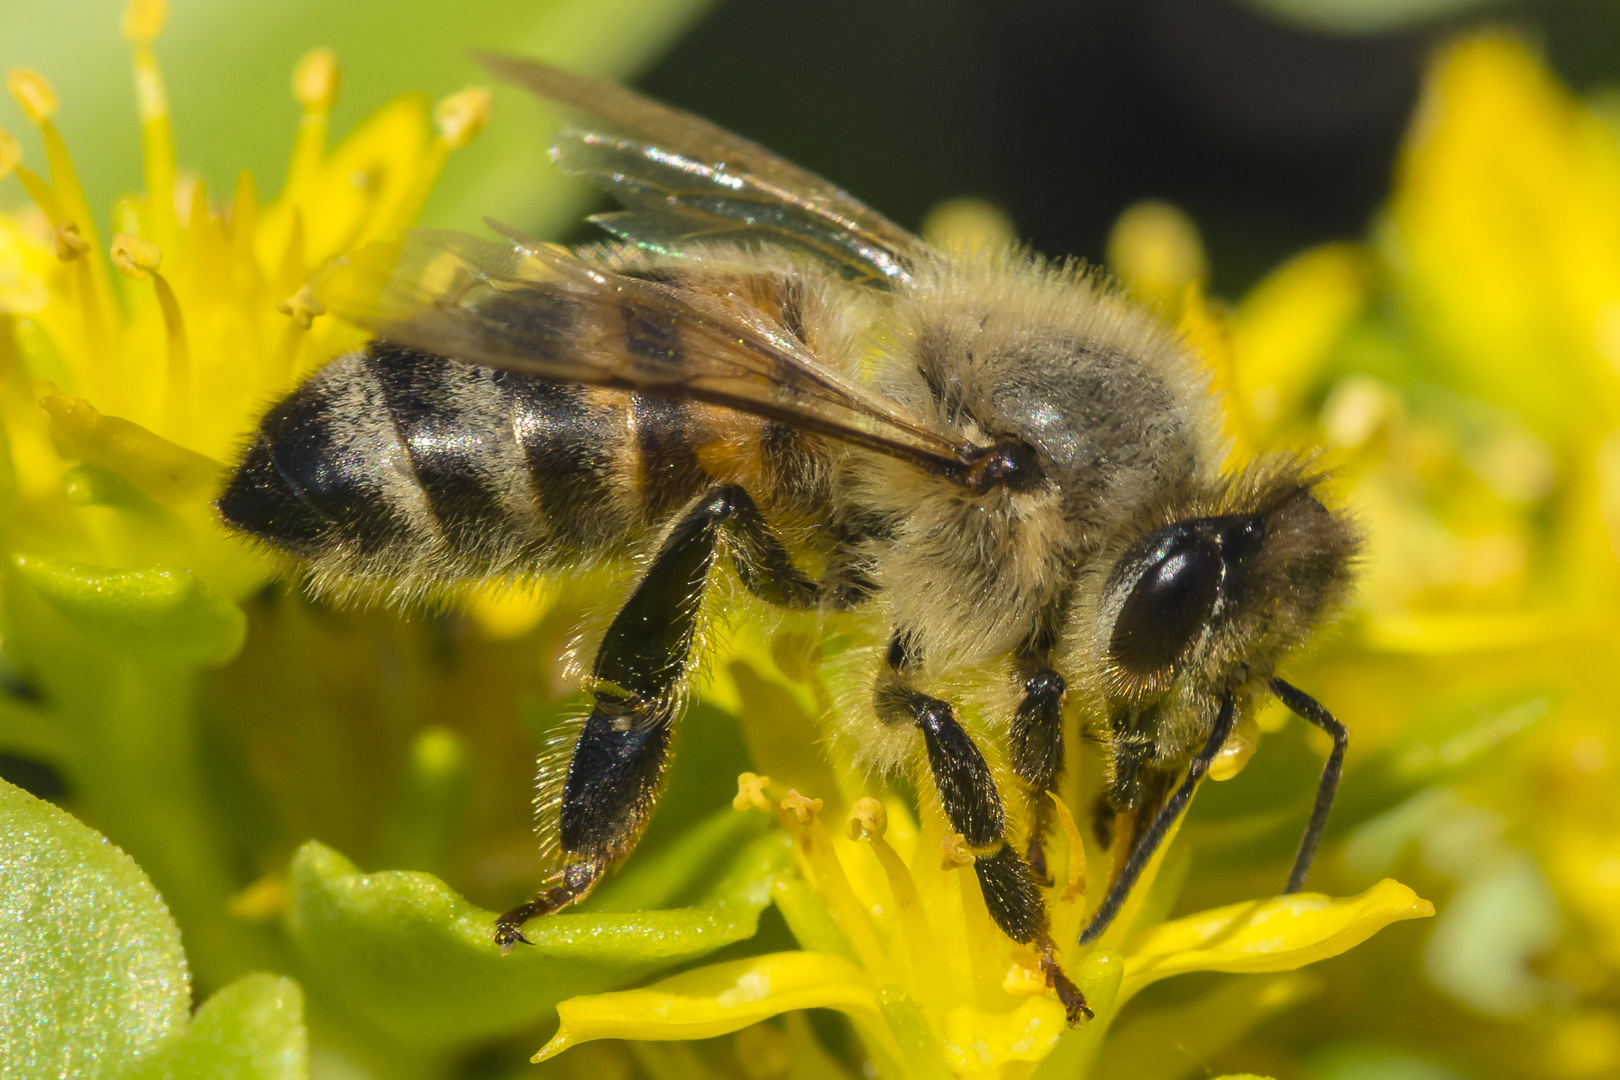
(1116, 413)
(1154, 583)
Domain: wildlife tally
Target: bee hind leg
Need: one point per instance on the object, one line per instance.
(618, 763)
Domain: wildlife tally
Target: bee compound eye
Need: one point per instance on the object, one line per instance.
(1167, 607)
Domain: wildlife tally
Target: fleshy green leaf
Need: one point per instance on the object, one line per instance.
(158, 614)
(718, 999)
(419, 962)
(662, 876)
(1279, 934)
(251, 1030)
(91, 970)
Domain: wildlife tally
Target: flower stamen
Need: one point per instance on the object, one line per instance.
(1076, 887)
(69, 244)
(868, 820)
(33, 95)
(751, 792)
(315, 87)
(137, 258)
(10, 153)
(986, 945)
(954, 852)
(818, 861)
(457, 120)
(302, 307)
(143, 22)
(800, 807)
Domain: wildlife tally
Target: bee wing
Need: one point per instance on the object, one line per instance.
(537, 309)
(681, 178)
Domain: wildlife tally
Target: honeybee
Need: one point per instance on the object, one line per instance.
(1002, 462)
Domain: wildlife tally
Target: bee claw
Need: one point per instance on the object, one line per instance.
(1074, 1002)
(508, 935)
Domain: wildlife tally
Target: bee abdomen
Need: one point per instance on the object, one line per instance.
(395, 464)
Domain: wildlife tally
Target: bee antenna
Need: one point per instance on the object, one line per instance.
(1150, 841)
(1308, 708)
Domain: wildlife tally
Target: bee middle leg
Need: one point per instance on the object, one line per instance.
(618, 762)
(1036, 741)
(967, 791)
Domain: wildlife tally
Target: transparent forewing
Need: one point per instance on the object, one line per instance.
(538, 309)
(681, 178)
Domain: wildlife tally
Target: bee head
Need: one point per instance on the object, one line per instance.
(1220, 596)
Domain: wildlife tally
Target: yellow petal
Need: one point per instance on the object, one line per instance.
(717, 1000)
(1155, 250)
(1284, 330)
(1455, 633)
(1279, 934)
(1505, 234)
(978, 1041)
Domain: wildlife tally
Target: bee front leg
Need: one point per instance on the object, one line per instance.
(967, 791)
(1147, 840)
(1037, 756)
(618, 763)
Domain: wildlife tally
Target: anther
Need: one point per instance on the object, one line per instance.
(144, 19)
(1025, 977)
(751, 792)
(32, 94)
(10, 153)
(303, 307)
(315, 80)
(955, 853)
(868, 820)
(69, 244)
(802, 808)
(135, 257)
(462, 115)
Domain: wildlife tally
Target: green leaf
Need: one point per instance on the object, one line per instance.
(91, 970)
(664, 875)
(251, 1030)
(419, 962)
(159, 615)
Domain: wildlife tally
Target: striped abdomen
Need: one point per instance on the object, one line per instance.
(396, 465)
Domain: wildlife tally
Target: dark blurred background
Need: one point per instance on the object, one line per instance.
(1271, 134)
(1275, 123)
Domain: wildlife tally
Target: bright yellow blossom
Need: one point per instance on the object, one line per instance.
(152, 373)
(896, 936)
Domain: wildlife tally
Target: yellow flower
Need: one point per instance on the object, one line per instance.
(134, 362)
(896, 936)
(1464, 367)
